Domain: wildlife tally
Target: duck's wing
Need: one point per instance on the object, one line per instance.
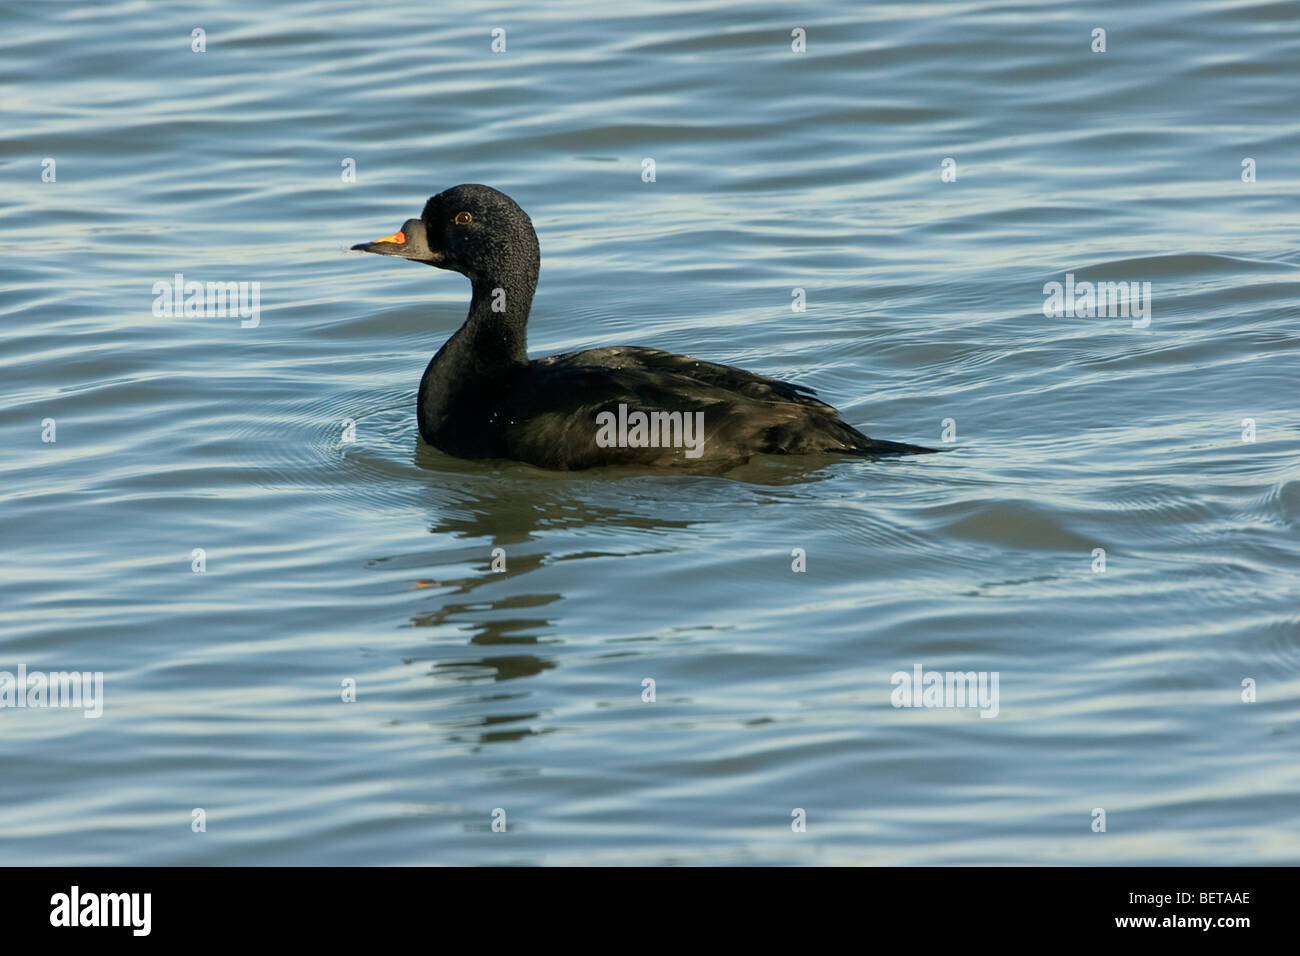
(550, 417)
(724, 377)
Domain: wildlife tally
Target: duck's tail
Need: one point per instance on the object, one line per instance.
(876, 447)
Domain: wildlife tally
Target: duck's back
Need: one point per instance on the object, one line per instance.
(645, 407)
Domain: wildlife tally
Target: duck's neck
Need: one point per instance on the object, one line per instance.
(494, 336)
(479, 360)
(495, 333)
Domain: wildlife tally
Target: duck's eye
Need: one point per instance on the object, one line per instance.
(463, 219)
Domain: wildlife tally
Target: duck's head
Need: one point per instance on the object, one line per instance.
(471, 229)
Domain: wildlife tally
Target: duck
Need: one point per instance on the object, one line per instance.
(482, 397)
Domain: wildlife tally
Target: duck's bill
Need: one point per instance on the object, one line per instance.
(393, 245)
(409, 242)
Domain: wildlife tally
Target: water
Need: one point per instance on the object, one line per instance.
(371, 560)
